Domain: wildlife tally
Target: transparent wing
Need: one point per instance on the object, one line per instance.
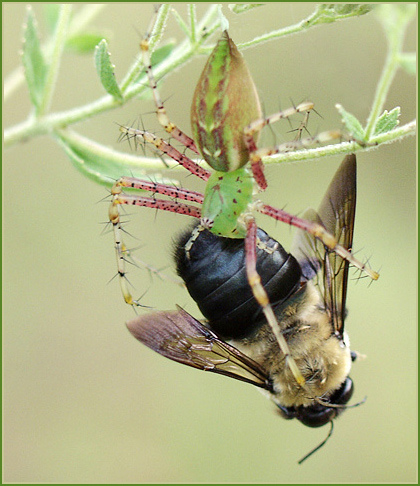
(179, 336)
(336, 213)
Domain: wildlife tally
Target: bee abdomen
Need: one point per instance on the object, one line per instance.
(216, 279)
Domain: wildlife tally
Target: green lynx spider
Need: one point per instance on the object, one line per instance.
(226, 121)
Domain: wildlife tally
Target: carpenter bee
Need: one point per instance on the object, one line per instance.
(307, 290)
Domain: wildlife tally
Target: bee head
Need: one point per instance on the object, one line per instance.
(321, 412)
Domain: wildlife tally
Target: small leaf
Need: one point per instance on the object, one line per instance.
(33, 60)
(51, 14)
(408, 61)
(349, 9)
(105, 69)
(387, 121)
(239, 8)
(163, 52)
(352, 124)
(327, 13)
(84, 43)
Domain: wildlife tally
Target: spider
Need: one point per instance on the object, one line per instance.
(226, 120)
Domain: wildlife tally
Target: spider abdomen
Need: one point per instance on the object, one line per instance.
(224, 103)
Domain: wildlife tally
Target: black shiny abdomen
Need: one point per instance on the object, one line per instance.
(215, 277)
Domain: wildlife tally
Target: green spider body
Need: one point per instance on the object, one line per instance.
(227, 196)
(226, 120)
(224, 103)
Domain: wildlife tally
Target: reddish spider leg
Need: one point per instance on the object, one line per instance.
(118, 197)
(256, 155)
(318, 231)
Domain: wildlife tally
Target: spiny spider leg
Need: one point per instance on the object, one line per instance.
(157, 188)
(261, 296)
(256, 126)
(318, 231)
(161, 114)
(118, 197)
(302, 126)
(167, 149)
(302, 143)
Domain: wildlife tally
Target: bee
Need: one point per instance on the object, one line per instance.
(307, 290)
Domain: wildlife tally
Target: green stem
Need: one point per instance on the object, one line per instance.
(49, 123)
(387, 76)
(98, 150)
(193, 22)
(316, 18)
(395, 22)
(344, 147)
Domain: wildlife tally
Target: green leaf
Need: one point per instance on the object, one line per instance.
(327, 13)
(349, 9)
(163, 52)
(102, 164)
(387, 121)
(239, 8)
(34, 63)
(408, 61)
(85, 42)
(105, 69)
(51, 14)
(352, 124)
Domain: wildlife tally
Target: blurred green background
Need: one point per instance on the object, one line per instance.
(86, 403)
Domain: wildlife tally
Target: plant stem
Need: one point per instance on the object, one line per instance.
(344, 147)
(395, 39)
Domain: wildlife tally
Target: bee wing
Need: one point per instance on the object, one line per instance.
(336, 213)
(179, 336)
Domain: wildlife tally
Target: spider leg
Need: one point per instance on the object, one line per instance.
(118, 197)
(166, 149)
(261, 296)
(161, 114)
(318, 231)
(256, 126)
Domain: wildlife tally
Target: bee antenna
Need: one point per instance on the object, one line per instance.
(309, 454)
